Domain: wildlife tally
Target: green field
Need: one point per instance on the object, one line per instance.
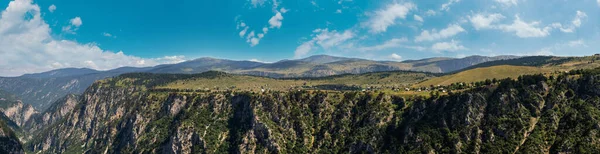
(480, 74)
(381, 80)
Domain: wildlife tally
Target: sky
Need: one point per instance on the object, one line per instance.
(43, 35)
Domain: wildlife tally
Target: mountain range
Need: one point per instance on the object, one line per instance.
(538, 104)
(42, 89)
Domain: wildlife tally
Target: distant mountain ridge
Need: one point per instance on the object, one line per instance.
(41, 89)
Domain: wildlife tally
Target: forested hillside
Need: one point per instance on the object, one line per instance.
(531, 114)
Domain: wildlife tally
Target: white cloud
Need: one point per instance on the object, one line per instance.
(382, 19)
(418, 18)
(430, 13)
(258, 61)
(559, 47)
(483, 21)
(257, 3)
(446, 6)
(338, 11)
(76, 21)
(27, 46)
(52, 8)
(395, 56)
(276, 20)
(243, 32)
(325, 39)
(447, 46)
(254, 41)
(507, 2)
(576, 43)
(283, 10)
(444, 33)
(314, 3)
(386, 45)
(328, 39)
(526, 30)
(304, 49)
(108, 35)
(576, 23)
(598, 2)
(74, 25)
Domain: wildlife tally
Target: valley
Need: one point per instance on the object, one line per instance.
(548, 106)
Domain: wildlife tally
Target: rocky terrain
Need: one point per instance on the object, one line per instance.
(534, 114)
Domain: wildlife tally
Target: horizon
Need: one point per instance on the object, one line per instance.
(39, 36)
(403, 61)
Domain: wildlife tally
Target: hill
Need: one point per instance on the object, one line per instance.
(483, 73)
(515, 67)
(42, 89)
(377, 80)
(533, 114)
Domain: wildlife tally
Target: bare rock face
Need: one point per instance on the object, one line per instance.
(19, 113)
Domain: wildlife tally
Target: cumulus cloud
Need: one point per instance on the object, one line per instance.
(325, 39)
(382, 19)
(52, 8)
(526, 30)
(444, 33)
(446, 6)
(483, 21)
(276, 20)
(27, 46)
(576, 23)
(447, 46)
(75, 23)
(395, 56)
(598, 2)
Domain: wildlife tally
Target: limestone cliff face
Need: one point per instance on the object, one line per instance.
(19, 113)
(531, 115)
(55, 113)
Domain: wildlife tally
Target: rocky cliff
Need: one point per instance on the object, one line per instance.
(533, 114)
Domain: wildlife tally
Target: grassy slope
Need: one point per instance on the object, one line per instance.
(479, 74)
(241, 82)
(514, 68)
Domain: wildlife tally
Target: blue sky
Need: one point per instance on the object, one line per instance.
(41, 35)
